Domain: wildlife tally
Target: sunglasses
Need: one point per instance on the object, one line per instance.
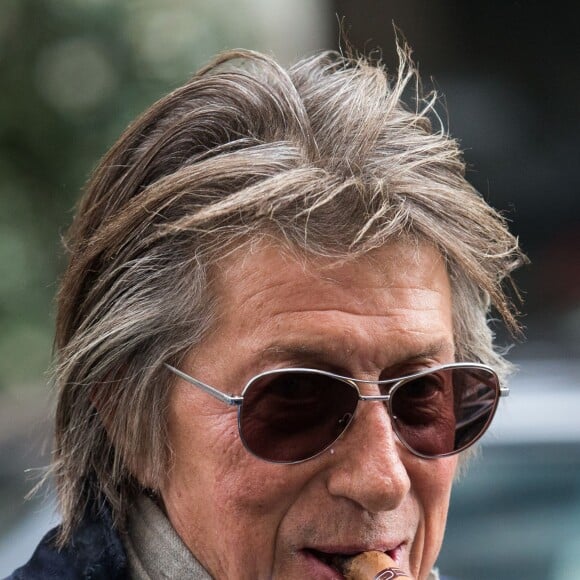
(292, 415)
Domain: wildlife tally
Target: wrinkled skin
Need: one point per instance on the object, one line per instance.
(379, 317)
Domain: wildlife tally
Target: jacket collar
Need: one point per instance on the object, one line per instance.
(95, 552)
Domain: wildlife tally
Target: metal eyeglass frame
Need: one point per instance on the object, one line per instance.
(237, 400)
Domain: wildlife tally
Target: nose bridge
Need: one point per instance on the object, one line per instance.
(369, 469)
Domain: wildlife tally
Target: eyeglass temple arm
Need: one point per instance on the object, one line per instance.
(228, 399)
(504, 391)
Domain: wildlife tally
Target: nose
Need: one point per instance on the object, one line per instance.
(367, 467)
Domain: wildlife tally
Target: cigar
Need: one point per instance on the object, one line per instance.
(372, 566)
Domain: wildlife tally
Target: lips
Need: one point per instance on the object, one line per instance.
(336, 559)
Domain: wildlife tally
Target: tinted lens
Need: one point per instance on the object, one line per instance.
(445, 411)
(293, 416)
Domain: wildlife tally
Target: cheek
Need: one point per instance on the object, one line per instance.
(209, 458)
(216, 490)
(432, 482)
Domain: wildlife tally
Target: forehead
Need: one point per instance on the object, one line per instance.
(269, 270)
(274, 303)
(269, 262)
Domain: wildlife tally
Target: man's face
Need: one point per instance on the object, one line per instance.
(243, 517)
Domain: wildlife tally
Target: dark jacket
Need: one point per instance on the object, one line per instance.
(94, 553)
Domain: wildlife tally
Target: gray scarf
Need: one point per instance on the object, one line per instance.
(154, 550)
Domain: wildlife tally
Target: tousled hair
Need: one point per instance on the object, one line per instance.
(326, 158)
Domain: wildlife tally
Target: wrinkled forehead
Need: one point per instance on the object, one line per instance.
(275, 296)
(276, 306)
(265, 259)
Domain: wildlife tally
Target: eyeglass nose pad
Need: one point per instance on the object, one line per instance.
(345, 420)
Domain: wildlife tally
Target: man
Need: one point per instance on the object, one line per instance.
(271, 337)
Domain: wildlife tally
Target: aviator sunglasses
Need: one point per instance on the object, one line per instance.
(292, 415)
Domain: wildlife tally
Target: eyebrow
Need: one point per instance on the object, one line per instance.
(303, 351)
(295, 351)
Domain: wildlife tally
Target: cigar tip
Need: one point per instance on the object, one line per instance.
(369, 565)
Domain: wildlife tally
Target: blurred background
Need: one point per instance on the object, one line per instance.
(74, 73)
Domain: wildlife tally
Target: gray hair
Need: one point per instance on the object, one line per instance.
(325, 158)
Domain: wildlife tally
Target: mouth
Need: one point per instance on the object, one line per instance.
(337, 561)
